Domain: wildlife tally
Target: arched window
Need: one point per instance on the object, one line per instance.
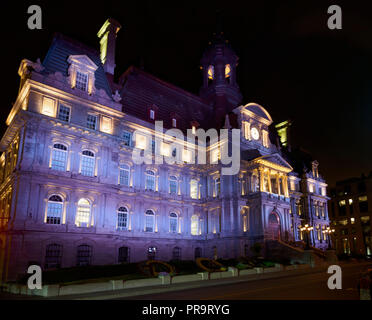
(149, 221)
(124, 177)
(83, 213)
(54, 210)
(173, 222)
(53, 256)
(151, 253)
(87, 163)
(176, 253)
(84, 255)
(197, 253)
(174, 122)
(194, 189)
(194, 225)
(173, 184)
(123, 255)
(59, 157)
(150, 180)
(122, 218)
(217, 186)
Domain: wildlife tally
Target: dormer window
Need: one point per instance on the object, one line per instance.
(81, 81)
(174, 123)
(81, 73)
(152, 114)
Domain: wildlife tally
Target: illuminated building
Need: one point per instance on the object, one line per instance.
(71, 194)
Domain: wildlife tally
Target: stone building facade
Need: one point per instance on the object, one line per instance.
(71, 193)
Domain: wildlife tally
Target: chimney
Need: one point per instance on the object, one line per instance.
(107, 35)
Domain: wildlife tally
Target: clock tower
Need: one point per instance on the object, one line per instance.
(219, 88)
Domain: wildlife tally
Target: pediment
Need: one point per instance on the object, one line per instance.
(275, 161)
(82, 60)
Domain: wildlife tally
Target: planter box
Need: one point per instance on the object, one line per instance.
(259, 270)
(46, 291)
(165, 279)
(142, 283)
(187, 278)
(85, 288)
(204, 275)
(293, 267)
(246, 272)
(270, 269)
(117, 284)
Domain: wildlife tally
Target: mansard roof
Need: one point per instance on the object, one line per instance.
(56, 59)
(141, 90)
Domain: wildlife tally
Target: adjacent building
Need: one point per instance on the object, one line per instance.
(351, 215)
(72, 195)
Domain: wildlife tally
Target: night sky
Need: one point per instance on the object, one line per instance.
(290, 62)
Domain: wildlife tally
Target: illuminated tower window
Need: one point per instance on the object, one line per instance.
(211, 72)
(227, 71)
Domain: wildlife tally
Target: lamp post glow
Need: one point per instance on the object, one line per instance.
(307, 228)
(329, 231)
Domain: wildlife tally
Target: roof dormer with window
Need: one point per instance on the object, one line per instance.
(81, 73)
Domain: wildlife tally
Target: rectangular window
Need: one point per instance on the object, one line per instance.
(149, 226)
(124, 176)
(172, 186)
(152, 114)
(87, 166)
(59, 159)
(194, 189)
(64, 113)
(92, 121)
(81, 81)
(127, 137)
(363, 203)
(173, 225)
(122, 220)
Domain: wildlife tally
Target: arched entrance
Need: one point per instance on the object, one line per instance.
(274, 226)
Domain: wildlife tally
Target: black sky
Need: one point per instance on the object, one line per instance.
(290, 62)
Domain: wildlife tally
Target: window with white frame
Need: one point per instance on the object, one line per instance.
(173, 222)
(149, 221)
(53, 256)
(194, 189)
(87, 163)
(217, 186)
(83, 213)
(64, 113)
(124, 177)
(59, 157)
(194, 225)
(127, 137)
(91, 121)
(173, 184)
(54, 210)
(81, 81)
(122, 218)
(150, 180)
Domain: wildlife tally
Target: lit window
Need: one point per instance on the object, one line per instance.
(84, 255)
(152, 114)
(350, 201)
(362, 198)
(174, 123)
(193, 130)
(64, 113)
(83, 213)
(87, 163)
(342, 203)
(53, 256)
(48, 107)
(149, 221)
(343, 222)
(54, 210)
(176, 253)
(173, 184)
(352, 220)
(127, 137)
(173, 222)
(211, 72)
(150, 180)
(227, 71)
(311, 187)
(92, 121)
(81, 81)
(59, 157)
(194, 225)
(122, 218)
(194, 189)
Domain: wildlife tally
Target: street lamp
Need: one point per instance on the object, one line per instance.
(307, 228)
(328, 231)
